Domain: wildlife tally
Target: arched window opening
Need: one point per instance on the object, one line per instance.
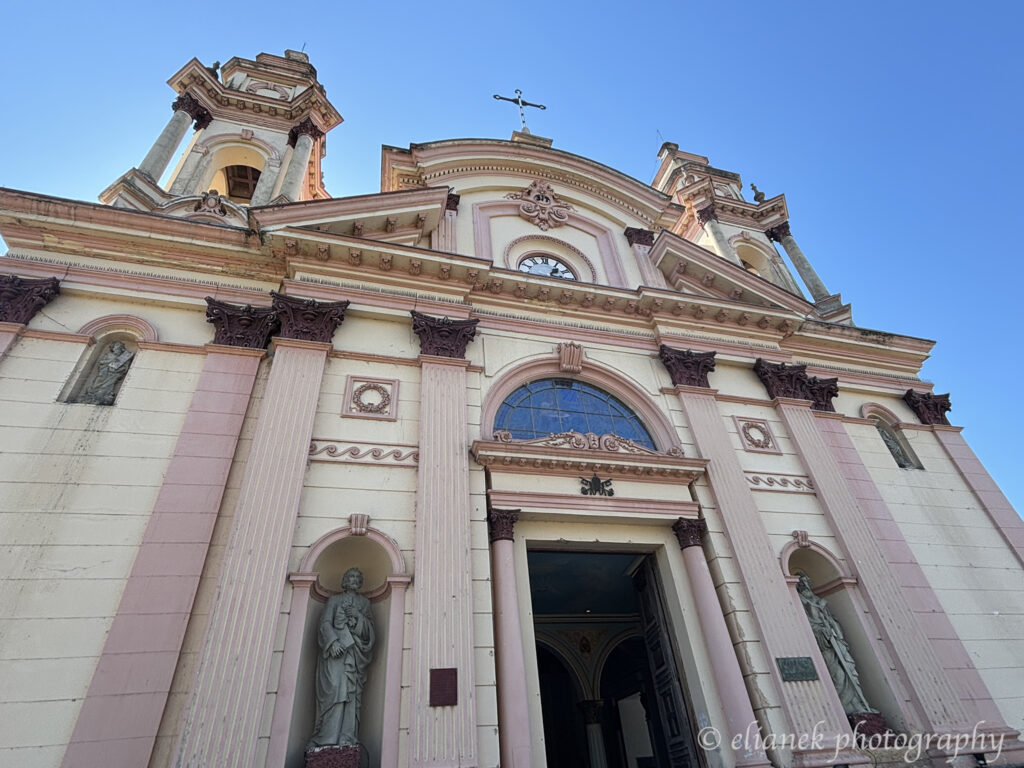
(901, 452)
(553, 406)
(749, 267)
(240, 181)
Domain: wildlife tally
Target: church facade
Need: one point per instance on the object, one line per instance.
(625, 486)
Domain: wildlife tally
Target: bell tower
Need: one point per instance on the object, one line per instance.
(258, 136)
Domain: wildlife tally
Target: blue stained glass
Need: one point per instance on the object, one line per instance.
(551, 406)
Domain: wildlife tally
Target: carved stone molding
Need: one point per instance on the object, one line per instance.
(637, 236)
(21, 299)
(687, 368)
(587, 441)
(443, 336)
(802, 538)
(306, 127)
(452, 203)
(240, 326)
(778, 232)
(541, 206)
(783, 380)
(501, 524)
(689, 531)
(349, 452)
(188, 103)
(359, 522)
(929, 408)
(570, 357)
(307, 319)
(763, 481)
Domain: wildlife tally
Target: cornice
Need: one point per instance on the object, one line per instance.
(445, 161)
(354, 210)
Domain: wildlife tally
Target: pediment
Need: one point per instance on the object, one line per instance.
(696, 271)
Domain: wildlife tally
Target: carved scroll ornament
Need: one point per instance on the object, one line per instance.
(783, 380)
(929, 408)
(443, 336)
(240, 326)
(586, 441)
(687, 368)
(307, 319)
(540, 205)
(21, 299)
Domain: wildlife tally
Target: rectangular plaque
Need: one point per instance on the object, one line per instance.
(795, 669)
(444, 687)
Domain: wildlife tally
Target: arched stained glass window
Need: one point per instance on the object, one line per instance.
(551, 406)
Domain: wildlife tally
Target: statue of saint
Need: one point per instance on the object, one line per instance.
(346, 647)
(110, 369)
(834, 649)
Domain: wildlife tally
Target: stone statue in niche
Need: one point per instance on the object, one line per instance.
(893, 444)
(345, 637)
(834, 649)
(101, 388)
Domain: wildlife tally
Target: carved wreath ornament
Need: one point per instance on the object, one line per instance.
(540, 205)
(756, 435)
(381, 406)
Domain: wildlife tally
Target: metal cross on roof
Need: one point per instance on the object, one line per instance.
(519, 100)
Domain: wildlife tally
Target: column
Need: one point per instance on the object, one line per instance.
(708, 219)
(780, 234)
(221, 719)
(641, 240)
(19, 301)
(442, 717)
(595, 734)
(186, 109)
(819, 439)
(121, 713)
(725, 669)
(513, 710)
(301, 137)
(783, 629)
(265, 185)
(443, 238)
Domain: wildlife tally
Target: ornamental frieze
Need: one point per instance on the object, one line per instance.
(539, 205)
(240, 326)
(929, 408)
(307, 319)
(586, 441)
(443, 336)
(687, 368)
(349, 452)
(783, 380)
(21, 299)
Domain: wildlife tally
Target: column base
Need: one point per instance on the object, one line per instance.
(867, 724)
(337, 757)
(829, 756)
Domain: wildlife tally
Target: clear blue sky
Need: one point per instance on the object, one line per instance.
(894, 128)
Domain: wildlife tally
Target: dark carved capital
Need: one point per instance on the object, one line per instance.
(689, 531)
(930, 409)
(307, 319)
(783, 380)
(443, 336)
(591, 711)
(501, 523)
(778, 232)
(687, 368)
(637, 236)
(188, 103)
(240, 326)
(21, 299)
(706, 214)
(307, 127)
(452, 203)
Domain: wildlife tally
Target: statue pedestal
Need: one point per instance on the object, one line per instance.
(336, 757)
(868, 723)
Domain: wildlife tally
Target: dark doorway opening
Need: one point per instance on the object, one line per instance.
(610, 688)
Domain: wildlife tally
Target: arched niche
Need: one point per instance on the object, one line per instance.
(115, 343)
(892, 435)
(613, 382)
(832, 581)
(319, 575)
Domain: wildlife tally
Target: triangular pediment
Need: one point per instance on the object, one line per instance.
(696, 271)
